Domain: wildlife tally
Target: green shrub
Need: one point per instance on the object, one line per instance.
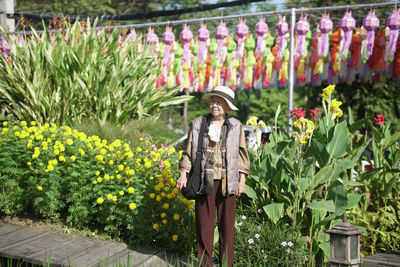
(126, 191)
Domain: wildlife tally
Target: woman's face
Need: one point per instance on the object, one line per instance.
(218, 106)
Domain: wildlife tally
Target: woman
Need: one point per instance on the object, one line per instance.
(224, 166)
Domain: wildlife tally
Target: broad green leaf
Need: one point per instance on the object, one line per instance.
(352, 200)
(323, 205)
(337, 146)
(274, 211)
(321, 177)
(249, 191)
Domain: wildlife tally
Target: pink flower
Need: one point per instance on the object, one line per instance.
(260, 211)
(314, 112)
(257, 236)
(379, 119)
(288, 250)
(297, 113)
(251, 241)
(162, 164)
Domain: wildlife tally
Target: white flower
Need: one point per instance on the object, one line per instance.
(240, 223)
(251, 241)
(257, 236)
(288, 250)
(290, 244)
(260, 211)
(284, 243)
(265, 256)
(250, 246)
(243, 217)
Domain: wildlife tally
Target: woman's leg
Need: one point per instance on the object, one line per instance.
(205, 218)
(226, 209)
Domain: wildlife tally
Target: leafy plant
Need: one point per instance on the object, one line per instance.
(78, 73)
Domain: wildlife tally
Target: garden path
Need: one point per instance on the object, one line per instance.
(34, 246)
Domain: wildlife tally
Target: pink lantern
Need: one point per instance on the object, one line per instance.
(281, 29)
(151, 37)
(393, 22)
(261, 29)
(370, 24)
(132, 35)
(221, 32)
(325, 26)
(302, 28)
(186, 37)
(241, 31)
(202, 35)
(168, 38)
(347, 24)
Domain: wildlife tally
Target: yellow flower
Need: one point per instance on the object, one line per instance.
(111, 162)
(147, 164)
(109, 196)
(141, 138)
(120, 167)
(167, 164)
(158, 198)
(100, 201)
(152, 195)
(155, 226)
(99, 158)
(82, 151)
(163, 194)
(166, 206)
(252, 121)
(163, 215)
(174, 237)
(69, 141)
(72, 158)
(94, 182)
(335, 110)
(131, 190)
(23, 123)
(171, 150)
(121, 193)
(103, 151)
(5, 123)
(176, 217)
(139, 149)
(99, 180)
(50, 168)
(118, 176)
(115, 198)
(328, 91)
(97, 173)
(261, 124)
(132, 206)
(164, 221)
(39, 188)
(106, 177)
(29, 163)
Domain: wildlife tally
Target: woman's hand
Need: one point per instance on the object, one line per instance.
(181, 181)
(241, 185)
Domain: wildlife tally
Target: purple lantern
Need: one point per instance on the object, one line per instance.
(261, 29)
(241, 31)
(186, 37)
(302, 28)
(347, 24)
(202, 35)
(281, 29)
(370, 24)
(132, 35)
(151, 37)
(221, 32)
(168, 38)
(325, 26)
(393, 22)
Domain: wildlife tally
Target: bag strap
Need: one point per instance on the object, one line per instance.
(197, 163)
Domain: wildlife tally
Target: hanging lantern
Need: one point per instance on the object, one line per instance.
(168, 38)
(202, 35)
(221, 32)
(302, 28)
(281, 29)
(347, 24)
(325, 26)
(151, 38)
(370, 24)
(132, 36)
(393, 22)
(186, 37)
(241, 31)
(261, 30)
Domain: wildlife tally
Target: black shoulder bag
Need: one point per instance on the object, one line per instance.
(194, 183)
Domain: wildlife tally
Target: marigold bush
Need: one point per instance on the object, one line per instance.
(129, 192)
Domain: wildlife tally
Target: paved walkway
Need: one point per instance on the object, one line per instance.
(30, 245)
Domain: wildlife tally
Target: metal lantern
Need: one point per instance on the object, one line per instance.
(345, 244)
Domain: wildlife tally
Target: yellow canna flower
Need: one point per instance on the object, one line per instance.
(328, 91)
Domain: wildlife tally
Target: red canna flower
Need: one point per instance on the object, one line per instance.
(298, 113)
(379, 119)
(314, 112)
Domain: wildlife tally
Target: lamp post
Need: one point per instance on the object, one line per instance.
(345, 244)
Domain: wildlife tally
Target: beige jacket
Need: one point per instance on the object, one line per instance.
(236, 155)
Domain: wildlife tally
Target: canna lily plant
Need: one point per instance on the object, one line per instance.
(305, 180)
(80, 73)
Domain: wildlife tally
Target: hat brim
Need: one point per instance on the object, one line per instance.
(220, 94)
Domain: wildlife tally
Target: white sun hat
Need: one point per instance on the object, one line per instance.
(225, 92)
